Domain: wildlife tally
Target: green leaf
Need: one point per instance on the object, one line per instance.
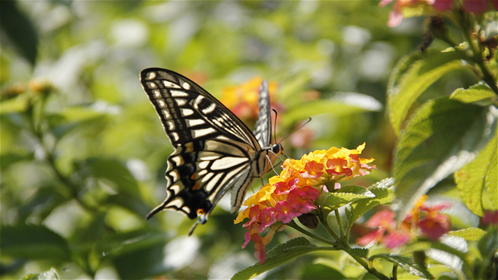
(136, 254)
(347, 194)
(384, 194)
(469, 234)
(318, 271)
(47, 275)
(279, 255)
(131, 202)
(14, 105)
(442, 137)
(360, 252)
(19, 30)
(412, 77)
(479, 174)
(407, 264)
(113, 171)
(488, 244)
(342, 104)
(46, 199)
(7, 159)
(127, 242)
(479, 92)
(33, 242)
(141, 263)
(73, 117)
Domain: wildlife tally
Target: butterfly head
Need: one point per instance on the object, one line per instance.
(277, 149)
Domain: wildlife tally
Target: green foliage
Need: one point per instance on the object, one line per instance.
(439, 139)
(279, 255)
(476, 177)
(83, 155)
(412, 76)
(47, 275)
(36, 242)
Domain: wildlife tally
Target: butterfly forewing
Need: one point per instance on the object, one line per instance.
(214, 150)
(262, 129)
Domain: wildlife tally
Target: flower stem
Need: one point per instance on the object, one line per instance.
(477, 57)
(339, 222)
(293, 225)
(329, 229)
(344, 245)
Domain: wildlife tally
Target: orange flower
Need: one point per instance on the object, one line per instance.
(295, 191)
(242, 100)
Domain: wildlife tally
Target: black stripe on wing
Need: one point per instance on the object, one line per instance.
(262, 129)
(200, 172)
(188, 112)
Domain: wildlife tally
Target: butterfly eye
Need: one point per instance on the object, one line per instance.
(277, 148)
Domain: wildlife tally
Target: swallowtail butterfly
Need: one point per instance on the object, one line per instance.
(214, 150)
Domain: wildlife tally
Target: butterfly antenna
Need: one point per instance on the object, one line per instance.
(275, 126)
(301, 126)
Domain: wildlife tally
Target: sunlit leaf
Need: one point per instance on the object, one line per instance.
(347, 194)
(405, 88)
(279, 255)
(469, 234)
(47, 275)
(480, 93)
(479, 174)
(384, 194)
(407, 264)
(441, 138)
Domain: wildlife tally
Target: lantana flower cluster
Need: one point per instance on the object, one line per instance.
(472, 6)
(296, 190)
(424, 220)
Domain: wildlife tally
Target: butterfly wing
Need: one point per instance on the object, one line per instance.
(262, 129)
(214, 150)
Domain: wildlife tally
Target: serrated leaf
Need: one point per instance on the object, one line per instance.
(407, 264)
(479, 174)
(279, 255)
(475, 93)
(347, 194)
(469, 234)
(384, 194)
(33, 242)
(442, 137)
(360, 252)
(405, 88)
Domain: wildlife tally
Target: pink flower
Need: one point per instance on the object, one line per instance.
(396, 239)
(434, 225)
(266, 218)
(383, 219)
(373, 236)
(284, 212)
(490, 218)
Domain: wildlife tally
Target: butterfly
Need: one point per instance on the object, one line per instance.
(215, 152)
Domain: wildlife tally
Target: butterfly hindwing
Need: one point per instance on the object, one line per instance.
(214, 150)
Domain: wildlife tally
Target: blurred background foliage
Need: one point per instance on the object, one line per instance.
(83, 153)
